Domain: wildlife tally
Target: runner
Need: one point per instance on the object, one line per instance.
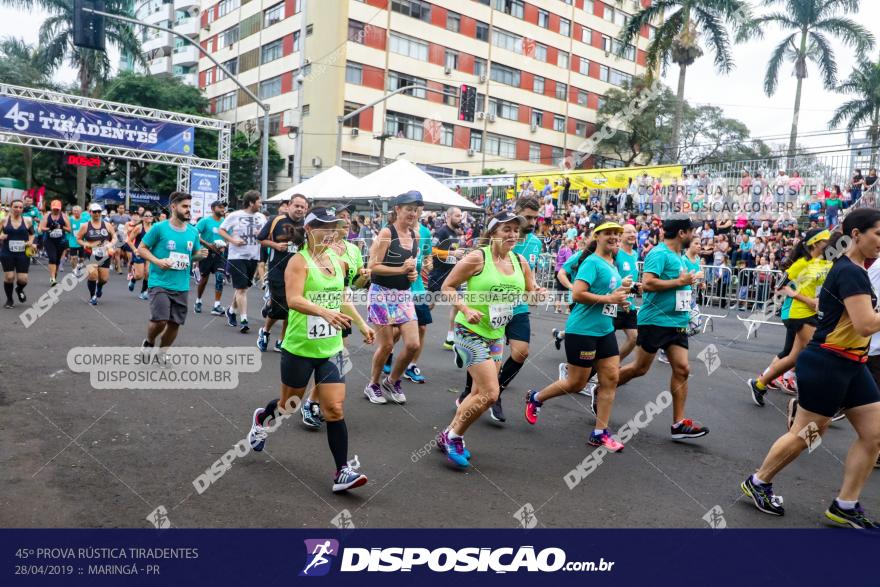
(74, 251)
(663, 320)
(208, 228)
(170, 247)
(832, 375)
(54, 226)
(446, 246)
(626, 260)
(122, 252)
(278, 235)
(313, 342)
(17, 240)
(424, 265)
(393, 269)
(139, 268)
(599, 293)
(240, 230)
(97, 236)
(802, 313)
(496, 278)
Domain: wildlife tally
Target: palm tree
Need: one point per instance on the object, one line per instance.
(93, 67)
(864, 108)
(809, 23)
(685, 24)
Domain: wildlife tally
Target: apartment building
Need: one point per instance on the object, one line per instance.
(541, 68)
(166, 54)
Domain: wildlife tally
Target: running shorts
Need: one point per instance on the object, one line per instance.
(874, 368)
(792, 327)
(18, 262)
(423, 314)
(76, 252)
(519, 328)
(126, 248)
(473, 349)
(242, 272)
(827, 382)
(388, 306)
(168, 305)
(626, 320)
(296, 370)
(581, 350)
(55, 249)
(276, 306)
(652, 338)
(213, 263)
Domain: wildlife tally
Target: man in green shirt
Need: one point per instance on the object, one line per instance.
(215, 262)
(74, 251)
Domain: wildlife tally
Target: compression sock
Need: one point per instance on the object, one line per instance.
(92, 285)
(760, 385)
(7, 287)
(337, 438)
(508, 372)
(144, 285)
(268, 412)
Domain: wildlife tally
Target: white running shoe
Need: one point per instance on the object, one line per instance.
(563, 371)
(258, 434)
(374, 394)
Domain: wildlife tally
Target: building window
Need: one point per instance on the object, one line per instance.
(586, 36)
(399, 80)
(209, 76)
(356, 31)
(564, 27)
(405, 126)
(601, 102)
(584, 66)
(227, 6)
(453, 22)
(537, 118)
(603, 73)
(588, 7)
(306, 110)
(451, 59)
(580, 128)
(446, 134)
(476, 143)
(296, 41)
(616, 15)
(449, 97)
(504, 109)
(506, 40)
(501, 146)
(543, 18)
(354, 73)
(534, 153)
(413, 8)
(540, 52)
(557, 155)
(226, 102)
(563, 60)
(505, 75)
(231, 65)
(479, 66)
(228, 37)
(354, 121)
(482, 31)
(582, 97)
(618, 78)
(408, 46)
(629, 53)
(275, 124)
(561, 91)
(606, 43)
(273, 15)
(270, 88)
(538, 85)
(271, 52)
(512, 7)
(558, 123)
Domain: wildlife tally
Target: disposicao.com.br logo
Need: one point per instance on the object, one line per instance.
(442, 560)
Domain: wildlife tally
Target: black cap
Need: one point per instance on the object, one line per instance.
(676, 222)
(322, 215)
(410, 197)
(503, 217)
(217, 203)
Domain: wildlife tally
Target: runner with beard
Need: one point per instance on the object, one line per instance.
(240, 230)
(208, 228)
(74, 250)
(447, 250)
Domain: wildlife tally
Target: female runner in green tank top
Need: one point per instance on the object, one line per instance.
(497, 279)
(314, 282)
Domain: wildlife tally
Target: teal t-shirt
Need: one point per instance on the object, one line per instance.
(418, 286)
(163, 240)
(568, 266)
(75, 223)
(207, 228)
(595, 319)
(659, 308)
(628, 266)
(691, 265)
(530, 248)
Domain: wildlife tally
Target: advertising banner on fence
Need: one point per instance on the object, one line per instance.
(600, 179)
(51, 121)
(138, 198)
(204, 185)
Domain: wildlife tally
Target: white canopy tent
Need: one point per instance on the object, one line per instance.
(332, 183)
(403, 176)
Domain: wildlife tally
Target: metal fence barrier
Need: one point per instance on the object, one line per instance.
(752, 295)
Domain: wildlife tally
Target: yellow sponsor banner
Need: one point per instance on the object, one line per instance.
(613, 178)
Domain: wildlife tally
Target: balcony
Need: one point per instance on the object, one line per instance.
(186, 4)
(159, 66)
(185, 55)
(161, 42)
(191, 79)
(187, 26)
(155, 14)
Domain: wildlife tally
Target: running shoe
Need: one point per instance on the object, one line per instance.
(789, 385)
(533, 407)
(589, 390)
(244, 327)
(374, 393)
(8, 304)
(54, 282)
(763, 498)
(855, 517)
(394, 391)
(262, 340)
(661, 356)
(23, 298)
(448, 343)
(308, 409)
(687, 428)
(258, 434)
(442, 446)
(230, 318)
(144, 296)
(557, 339)
(605, 439)
(217, 310)
(131, 288)
(414, 374)
(278, 346)
(197, 307)
(93, 300)
(348, 478)
(776, 383)
(454, 449)
(791, 412)
(563, 371)
(496, 413)
(386, 368)
(757, 394)
(840, 415)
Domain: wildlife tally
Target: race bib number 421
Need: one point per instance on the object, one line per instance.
(320, 328)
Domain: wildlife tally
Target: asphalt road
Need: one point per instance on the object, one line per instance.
(75, 456)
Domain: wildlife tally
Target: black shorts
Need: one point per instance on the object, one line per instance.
(582, 350)
(423, 314)
(55, 249)
(126, 248)
(652, 338)
(242, 272)
(626, 320)
(519, 328)
(296, 371)
(792, 327)
(18, 262)
(213, 263)
(827, 382)
(276, 306)
(77, 252)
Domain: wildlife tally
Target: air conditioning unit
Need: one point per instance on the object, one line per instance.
(533, 127)
(491, 117)
(447, 70)
(483, 78)
(470, 152)
(355, 132)
(607, 53)
(480, 115)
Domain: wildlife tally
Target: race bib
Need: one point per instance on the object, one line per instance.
(292, 248)
(500, 315)
(220, 243)
(179, 261)
(56, 233)
(683, 300)
(99, 252)
(16, 246)
(609, 310)
(320, 328)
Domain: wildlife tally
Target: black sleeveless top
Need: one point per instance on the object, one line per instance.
(395, 256)
(22, 233)
(96, 236)
(52, 224)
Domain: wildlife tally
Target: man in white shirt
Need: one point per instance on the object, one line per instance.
(240, 230)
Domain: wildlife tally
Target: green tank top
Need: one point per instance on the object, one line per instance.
(494, 294)
(312, 336)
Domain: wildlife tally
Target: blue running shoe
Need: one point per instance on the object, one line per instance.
(348, 478)
(93, 300)
(414, 374)
(217, 310)
(263, 340)
(855, 518)
(257, 435)
(144, 296)
(244, 327)
(454, 449)
(198, 307)
(230, 318)
(278, 346)
(311, 415)
(131, 285)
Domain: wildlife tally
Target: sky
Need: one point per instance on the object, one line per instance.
(739, 93)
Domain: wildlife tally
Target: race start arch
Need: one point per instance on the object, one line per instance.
(64, 122)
